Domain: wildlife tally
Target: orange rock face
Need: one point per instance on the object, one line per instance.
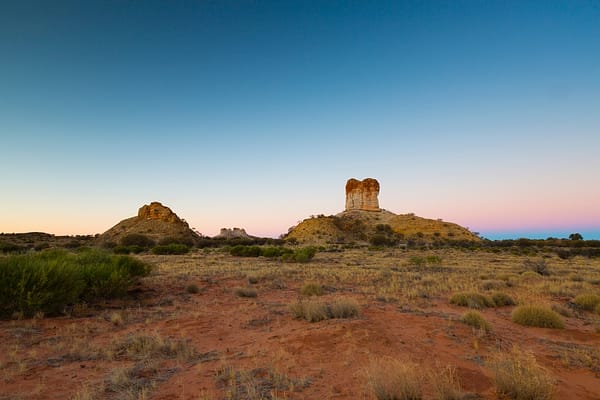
(157, 211)
(362, 195)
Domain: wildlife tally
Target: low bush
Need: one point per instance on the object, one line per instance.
(475, 319)
(245, 251)
(471, 300)
(597, 309)
(136, 239)
(51, 280)
(246, 292)
(539, 266)
(315, 310)
(192, 289)
(538, 316)
(417, 261)
(344, 308)
(311, 289)
(301, 255)
(501, 299)
(518, 376)
(312, 311)
(587, 302)
(171, 249)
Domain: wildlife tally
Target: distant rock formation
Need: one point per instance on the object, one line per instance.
(154, 221)
(235, 233)
(157, 211)
(360, 224)
(362, 195)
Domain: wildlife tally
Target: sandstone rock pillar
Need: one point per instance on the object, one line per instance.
(362, 195)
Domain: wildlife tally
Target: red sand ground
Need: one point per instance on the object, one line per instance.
(249, 333)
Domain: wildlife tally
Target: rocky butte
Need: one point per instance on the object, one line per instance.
(153, 220)
(362, 195)
(363, 222)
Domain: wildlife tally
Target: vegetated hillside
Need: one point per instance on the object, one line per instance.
(20, 242)
(154, 221)
(376, 227)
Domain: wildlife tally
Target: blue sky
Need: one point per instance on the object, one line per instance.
(254, 113)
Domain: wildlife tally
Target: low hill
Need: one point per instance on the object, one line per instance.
(376, 227)
(155, 221)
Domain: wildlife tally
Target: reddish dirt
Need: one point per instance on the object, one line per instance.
(253, 333)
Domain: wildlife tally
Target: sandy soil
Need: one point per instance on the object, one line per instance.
(232, 345)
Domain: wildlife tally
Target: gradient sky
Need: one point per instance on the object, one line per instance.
(255, 113)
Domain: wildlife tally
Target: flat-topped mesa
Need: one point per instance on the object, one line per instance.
(156, 211)
(362, 195)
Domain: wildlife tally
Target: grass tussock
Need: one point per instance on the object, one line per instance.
(518, 376)
(471, 300)
(311, 289)
(154, 346)
(246, 292)
(50, 281)
(587, 302)
(391, 379)
(538, 316)
(315, 310)
(501, 299)
(476, 320)
(445, 384)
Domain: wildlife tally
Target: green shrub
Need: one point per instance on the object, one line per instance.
(245, 251)
(471, 300)
(176, 240)
(305, 254)
(434, 260)
(475, 319)
(311, 289)
(51, 280)
(137, 240)
(587, 302)
(417, 261)
(501, 299)
(171, 249)
(597, 309)
(274, 251)
(539, 316)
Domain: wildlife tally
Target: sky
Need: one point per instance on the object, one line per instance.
(254, 114)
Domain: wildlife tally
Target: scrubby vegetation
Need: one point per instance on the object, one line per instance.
(51, 280)
(475, 319)
(539, 316)
(303, 254)
(518, 376)
(471, 300)
(587, 302)
(171, 249)
(315, 310)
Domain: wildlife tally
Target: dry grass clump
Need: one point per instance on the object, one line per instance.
(471, 300)
(538, 316)
(246, 292)
(445, 384)
(391, 379)
(518, 376)
(144, 347)
(587, 302)
(311, 289)
(312, 311)
(344, 308)
(315, 311)
(501, 299)
(597, 309)
(475, 319)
